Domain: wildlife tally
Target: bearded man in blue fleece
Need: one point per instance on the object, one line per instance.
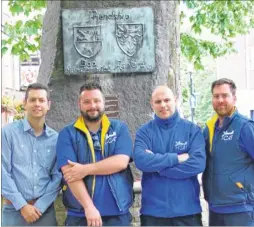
(170, 151)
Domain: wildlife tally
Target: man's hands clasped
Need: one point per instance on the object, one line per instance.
(30, 213)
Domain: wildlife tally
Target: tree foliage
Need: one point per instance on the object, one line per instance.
(23, 36)
(212, 26)
(223, 19)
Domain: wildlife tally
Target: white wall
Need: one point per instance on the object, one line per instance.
(240, 68)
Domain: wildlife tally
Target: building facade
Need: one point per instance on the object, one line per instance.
(16, 75)
(240, 68)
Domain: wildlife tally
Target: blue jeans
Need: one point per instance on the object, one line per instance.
(231, 219)
(118, 220)
(190, 220)
(12, 217)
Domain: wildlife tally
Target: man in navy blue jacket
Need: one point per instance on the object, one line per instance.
(93, 154)
(170, 151)
(229, 176)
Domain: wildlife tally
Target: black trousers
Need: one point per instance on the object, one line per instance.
(190, 220)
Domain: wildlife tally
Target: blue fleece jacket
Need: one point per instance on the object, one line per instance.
(170, 189)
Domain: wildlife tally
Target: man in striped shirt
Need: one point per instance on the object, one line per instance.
(30, 179)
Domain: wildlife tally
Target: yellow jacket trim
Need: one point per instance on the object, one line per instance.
(80, 124)
(211, 125)
(105, 127)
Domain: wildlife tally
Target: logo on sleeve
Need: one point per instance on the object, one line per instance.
(110, 138)
(227, 135)
(181, 146)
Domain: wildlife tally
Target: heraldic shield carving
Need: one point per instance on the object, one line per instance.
(129, 37)
(87, 40)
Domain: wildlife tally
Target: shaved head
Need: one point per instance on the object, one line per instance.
(163, 101)
(160, 89)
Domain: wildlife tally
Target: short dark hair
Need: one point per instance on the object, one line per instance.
(90, 86)
(36, 86)
(225, 81)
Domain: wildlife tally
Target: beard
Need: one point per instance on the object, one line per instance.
(89, 118)
(223, 112)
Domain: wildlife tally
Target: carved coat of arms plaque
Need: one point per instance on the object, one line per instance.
(87, 40)
(112, 40)
(129, 37)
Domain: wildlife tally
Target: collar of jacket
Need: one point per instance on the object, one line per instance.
(212, 122)
(168, 122)
(80, 124)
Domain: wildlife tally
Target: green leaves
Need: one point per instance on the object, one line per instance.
(191, 4)
(23, 36)
(4, 50)
(195, 49)
(15, 8)
(27, 7)
(224, 19)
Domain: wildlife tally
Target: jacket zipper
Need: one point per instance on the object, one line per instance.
(114, 194)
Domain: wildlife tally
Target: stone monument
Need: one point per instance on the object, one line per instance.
(129, 47)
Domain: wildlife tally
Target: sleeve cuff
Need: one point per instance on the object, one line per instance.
(41, 206)
(19, 203)
(173, 160)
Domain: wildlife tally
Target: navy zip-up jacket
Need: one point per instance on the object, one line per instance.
(229, 176)
(170, 189)
(78, 137)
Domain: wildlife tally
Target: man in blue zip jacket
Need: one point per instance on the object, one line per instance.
(170, 151)
(229, 176)
(93, 154)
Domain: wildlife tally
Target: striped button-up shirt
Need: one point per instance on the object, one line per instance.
(29, 165)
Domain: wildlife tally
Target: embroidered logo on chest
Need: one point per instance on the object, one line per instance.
(227, 135)
(181, 146)
(110, 138)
